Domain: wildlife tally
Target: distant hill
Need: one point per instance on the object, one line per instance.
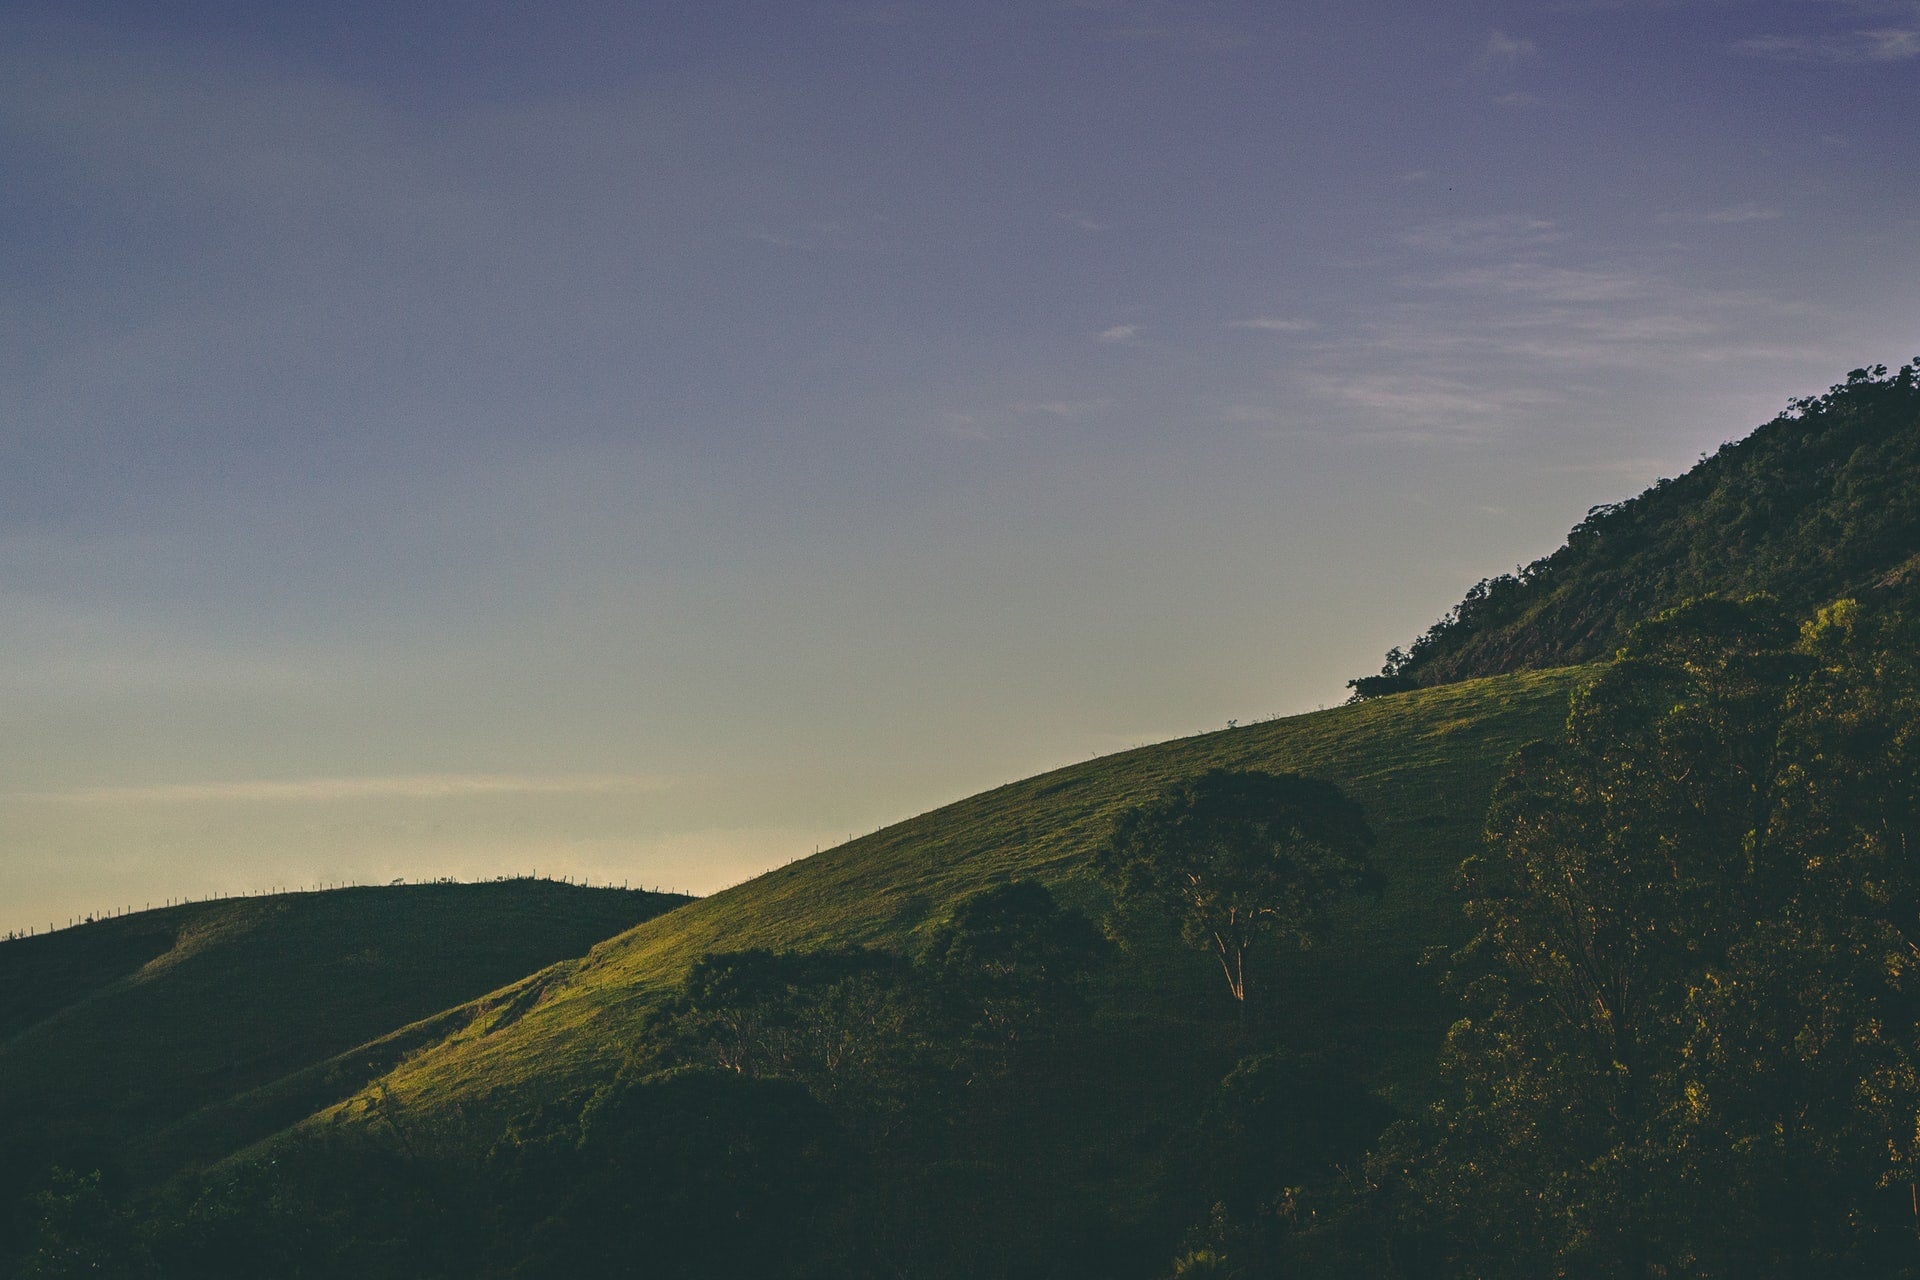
(1822, 502)
(122, 1040)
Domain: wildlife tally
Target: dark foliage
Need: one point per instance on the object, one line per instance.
(1691, 1038)
(695, 1172)
(1235, 856)
(1820, 503)
(1007, 968)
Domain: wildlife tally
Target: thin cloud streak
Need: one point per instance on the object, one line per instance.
(1876, 45)
(1428, 406)
(1496, 233)
(1083, 222)
(418, 786)
(1503, 50)
(1272, 324)
(1731, 216)
(1066, 409)
(1547, 283)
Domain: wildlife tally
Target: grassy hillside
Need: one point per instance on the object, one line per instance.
(121, 1041)
(1423, 764)
(1820, 503)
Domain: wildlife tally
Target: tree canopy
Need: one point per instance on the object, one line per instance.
(1691, 1035)
(1233, 856)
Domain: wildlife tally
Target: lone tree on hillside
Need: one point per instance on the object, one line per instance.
(1231, 855)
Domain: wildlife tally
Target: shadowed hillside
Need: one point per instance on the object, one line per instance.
(116, 1035)
(1820, 503)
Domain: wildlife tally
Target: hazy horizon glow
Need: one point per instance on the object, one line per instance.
(654, 441)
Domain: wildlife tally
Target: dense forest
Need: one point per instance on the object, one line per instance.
(1821, 502)
(1609, 972)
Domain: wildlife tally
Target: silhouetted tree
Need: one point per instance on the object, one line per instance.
(1010, 958)
(1232, 856)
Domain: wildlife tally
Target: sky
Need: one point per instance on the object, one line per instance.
(652, 441)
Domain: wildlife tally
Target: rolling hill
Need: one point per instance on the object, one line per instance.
(1422, 764)
(145, 1041)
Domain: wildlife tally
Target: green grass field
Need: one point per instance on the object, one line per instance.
(145, 1041)
(1423, 764)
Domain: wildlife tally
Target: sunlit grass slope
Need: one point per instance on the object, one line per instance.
(1422, 763)
(115, 1035)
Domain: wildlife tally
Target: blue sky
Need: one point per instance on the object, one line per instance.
(651, 441)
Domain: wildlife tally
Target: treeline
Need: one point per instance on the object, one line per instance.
(1688, 1039)
(1819, 504)
(1690, 1034)
(324, 886)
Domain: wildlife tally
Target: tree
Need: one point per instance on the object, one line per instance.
(1689, 1037)
(1232, 856)
(80, 1232)
(1010, 958)
(698, 1171)
(831, 1018)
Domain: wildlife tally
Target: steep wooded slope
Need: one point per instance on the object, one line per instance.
(1822, 502)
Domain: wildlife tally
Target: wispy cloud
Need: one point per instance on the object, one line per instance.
(1582, 318)
(1119, 334)
(1082, 221)
(1892, 44)
(1504, 233)
(1505, 323)
(416, 786)
(1273, 324)
(1502, 50)
(1063, 409)
(1732, 215)
(1874, 45)
(1428, 406)
(1545, 282)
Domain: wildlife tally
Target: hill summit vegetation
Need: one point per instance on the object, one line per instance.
(1820, 503)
